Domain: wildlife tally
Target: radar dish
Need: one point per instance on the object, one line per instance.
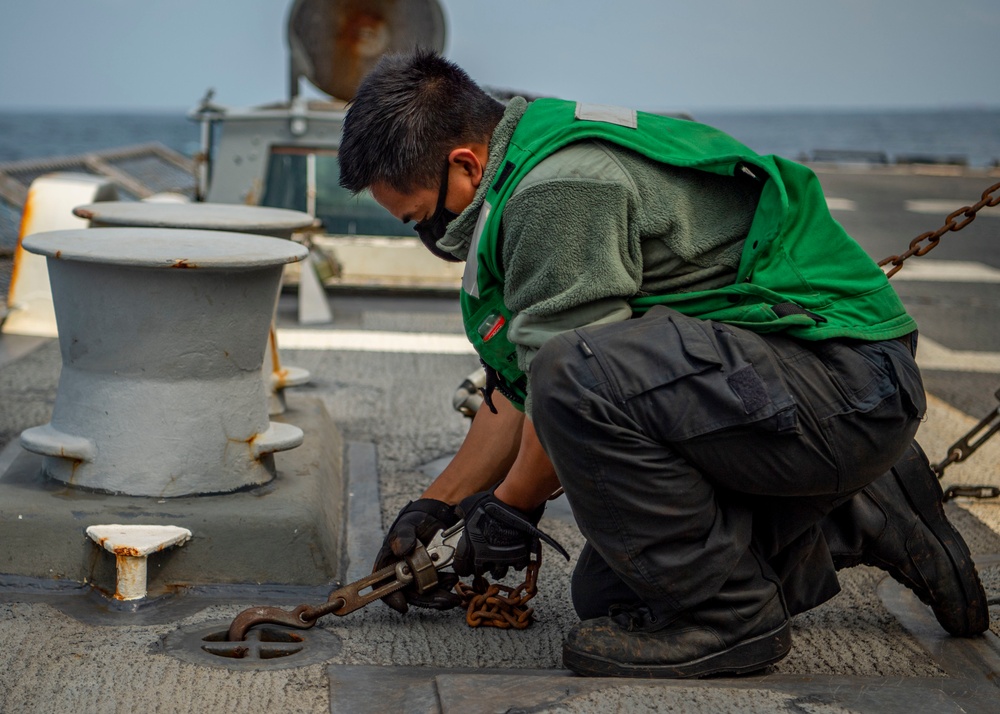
(335, 43)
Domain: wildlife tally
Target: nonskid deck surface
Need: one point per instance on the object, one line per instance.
(872, 648)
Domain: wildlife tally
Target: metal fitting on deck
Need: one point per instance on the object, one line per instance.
(131, 545)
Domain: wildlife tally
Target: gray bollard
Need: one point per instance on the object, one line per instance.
(258, 220)
(162, 334)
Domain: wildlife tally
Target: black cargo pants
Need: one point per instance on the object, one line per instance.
(681, 444)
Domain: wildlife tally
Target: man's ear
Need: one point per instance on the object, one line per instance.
(470, 161)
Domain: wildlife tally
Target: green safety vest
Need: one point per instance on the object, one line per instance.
(800, 273)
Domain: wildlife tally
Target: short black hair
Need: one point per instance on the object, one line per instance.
(408, 114)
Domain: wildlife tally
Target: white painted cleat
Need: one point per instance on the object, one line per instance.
(314, 309)
(131, 546)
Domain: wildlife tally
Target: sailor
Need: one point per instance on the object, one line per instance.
(678, 334)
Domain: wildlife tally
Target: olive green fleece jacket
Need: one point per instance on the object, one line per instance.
(593, 225)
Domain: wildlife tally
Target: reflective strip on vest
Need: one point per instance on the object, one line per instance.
(470, 278)
(621, 116)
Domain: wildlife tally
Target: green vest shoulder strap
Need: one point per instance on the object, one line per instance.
(799, 271)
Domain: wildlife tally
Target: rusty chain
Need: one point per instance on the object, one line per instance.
(494, 605)
(491, 605)
(506, 607)
(417, 568)
(964, 447)
(932, 238)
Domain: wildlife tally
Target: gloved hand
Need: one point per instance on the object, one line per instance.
(418, 521)
(497, 536)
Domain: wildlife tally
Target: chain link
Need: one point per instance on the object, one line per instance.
(932, 238)
(502, 606)
(988, 427)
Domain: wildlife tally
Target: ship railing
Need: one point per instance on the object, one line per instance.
(138, 171)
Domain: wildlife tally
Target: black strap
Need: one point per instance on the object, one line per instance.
(783, 309)
(745, 170)
(505, 172)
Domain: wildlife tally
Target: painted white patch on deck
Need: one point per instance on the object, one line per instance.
(944, 426)
(933, 355)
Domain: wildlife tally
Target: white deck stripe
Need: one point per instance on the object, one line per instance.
(841, 204)
(951, 271)
(944, 206)
(933, 355)
(372, 341)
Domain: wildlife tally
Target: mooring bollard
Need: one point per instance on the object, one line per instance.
(258, 220)
(162, 334)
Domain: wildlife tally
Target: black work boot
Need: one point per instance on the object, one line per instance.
(742, 629)
(897, 523)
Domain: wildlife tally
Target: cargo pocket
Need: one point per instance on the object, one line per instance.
(864, 372)
(680, 378)
(907, 376)
(881, 400)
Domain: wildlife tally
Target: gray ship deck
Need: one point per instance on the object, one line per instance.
(873, 648)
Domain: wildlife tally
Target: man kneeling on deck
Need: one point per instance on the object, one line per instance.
(678, 334)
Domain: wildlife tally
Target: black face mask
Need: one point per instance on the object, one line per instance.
(432, 229)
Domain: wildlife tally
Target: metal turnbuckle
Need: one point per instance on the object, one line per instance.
(971, 492)
(419, 568)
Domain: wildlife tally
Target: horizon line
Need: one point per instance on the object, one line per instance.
(722, 109)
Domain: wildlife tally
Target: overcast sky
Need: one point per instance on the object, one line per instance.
(675, 55)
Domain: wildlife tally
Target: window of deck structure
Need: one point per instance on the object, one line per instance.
(308, 179)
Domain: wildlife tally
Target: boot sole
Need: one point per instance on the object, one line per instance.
(926, 502)
(747, 656)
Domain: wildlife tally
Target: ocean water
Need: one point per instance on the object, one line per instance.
(972, 135)
(32, 135)
(969, 135)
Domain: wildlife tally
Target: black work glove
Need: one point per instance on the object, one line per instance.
(497, 536)
(418, 522)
